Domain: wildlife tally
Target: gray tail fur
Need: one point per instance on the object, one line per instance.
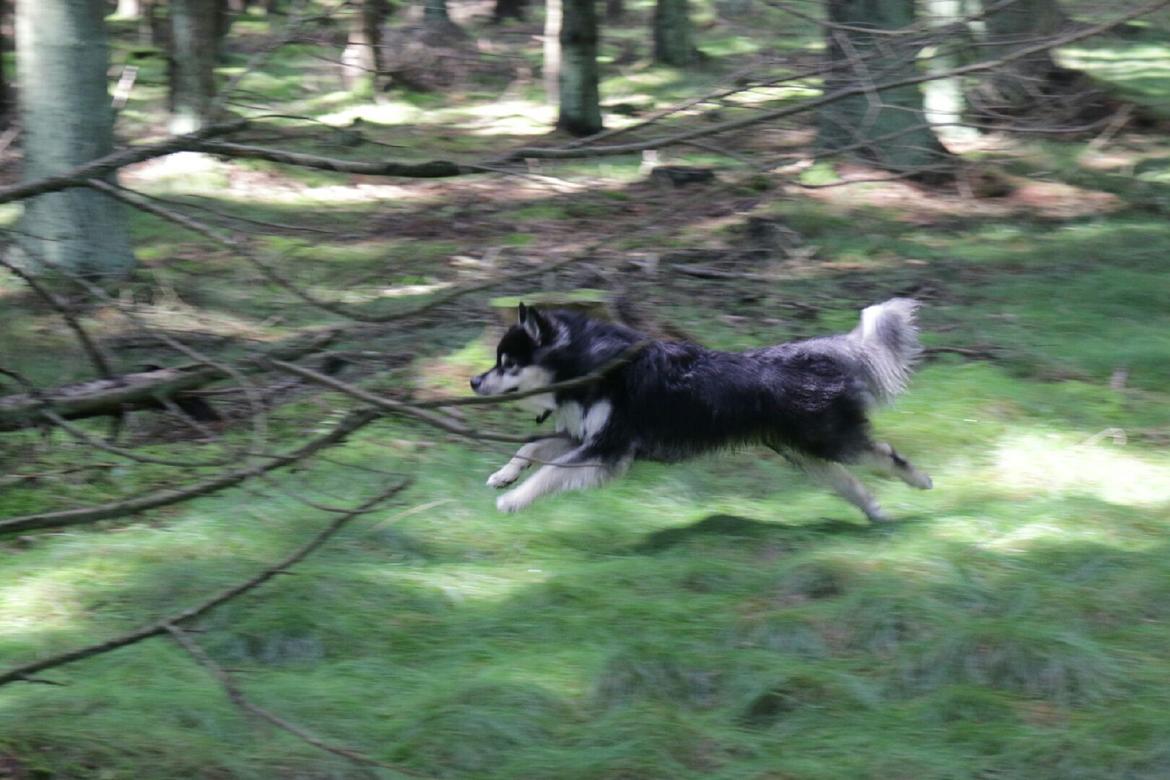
(887, 338)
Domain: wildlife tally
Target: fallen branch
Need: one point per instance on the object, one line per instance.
(143, 389)
(237, 697)
(25, 671)
(68, 517)
(400, 408)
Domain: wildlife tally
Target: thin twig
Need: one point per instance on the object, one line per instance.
(161, 627)
(237, 697)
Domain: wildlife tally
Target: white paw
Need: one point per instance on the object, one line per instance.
(921, 481)
(503, 478)
(510, 502)
(876, 515)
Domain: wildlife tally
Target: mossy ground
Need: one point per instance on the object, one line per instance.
(722, 618)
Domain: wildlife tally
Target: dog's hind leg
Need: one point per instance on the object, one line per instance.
(884, 457)
(534, 452)
(847, 486)
(577, 470)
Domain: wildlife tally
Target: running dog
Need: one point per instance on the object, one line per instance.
(667, 401)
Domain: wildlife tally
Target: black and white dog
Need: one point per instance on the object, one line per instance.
(806, 400)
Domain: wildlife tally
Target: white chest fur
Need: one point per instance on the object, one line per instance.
(583, 423)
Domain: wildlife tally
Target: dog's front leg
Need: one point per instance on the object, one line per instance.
(539, 451)
(576, 470)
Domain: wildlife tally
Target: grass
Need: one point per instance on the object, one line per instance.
(721, 618)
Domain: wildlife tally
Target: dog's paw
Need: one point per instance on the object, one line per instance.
(876, 514)
(502, 478)
(920, 481)
(510, 502)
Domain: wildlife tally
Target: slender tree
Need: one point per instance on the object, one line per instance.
(580, 107)
(65, 108)
(361, 60)
(887, 127)
(551, 69)
(674, 38)
(195, 35)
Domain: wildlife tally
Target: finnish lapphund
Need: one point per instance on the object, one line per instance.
(807, 400)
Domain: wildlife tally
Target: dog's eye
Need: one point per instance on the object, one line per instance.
(507, 364)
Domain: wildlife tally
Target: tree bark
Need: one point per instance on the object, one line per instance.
(361, 61)
(886, 127)
(1034, 87)
(580, 107)
(195, 35)
(509, 9)
(551, 69)
(62, 59)
(435, 13)
(674, 40)
(943, 97)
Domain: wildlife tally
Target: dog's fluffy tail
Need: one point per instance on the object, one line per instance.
(888, 343)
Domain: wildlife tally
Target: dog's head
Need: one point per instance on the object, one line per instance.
(518, 356)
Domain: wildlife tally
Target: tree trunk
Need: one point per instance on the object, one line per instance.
(361, 61)
(65, 109)
(943, 97)
(509, 9)
(158, 27)
(128, 9)
(615, 10)
(580, 108)
(435, 13)
(194, 44)
(551, 70)
(887, 127)
(1033, 90)
(5, 94)
(674, 40)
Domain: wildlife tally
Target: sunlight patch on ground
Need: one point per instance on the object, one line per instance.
(394, 112)
(45, 602)
(511, 117)
(1053, 464)
(461, 583)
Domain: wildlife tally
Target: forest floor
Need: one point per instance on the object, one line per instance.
(723, 618)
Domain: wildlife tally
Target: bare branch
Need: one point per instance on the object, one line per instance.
(442, 422)
(144, 388)
(25, 671)
(352, 422)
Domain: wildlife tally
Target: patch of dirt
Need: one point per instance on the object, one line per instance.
(988, 196)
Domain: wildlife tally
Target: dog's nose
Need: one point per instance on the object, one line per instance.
(475, 382)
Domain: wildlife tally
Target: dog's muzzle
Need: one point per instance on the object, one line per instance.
(476, 381)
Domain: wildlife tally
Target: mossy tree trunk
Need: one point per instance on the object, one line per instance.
(886, 127)
(580, 107)
(674, 39)
(62, 59)
(1033, 88)
(361, 61)
(195, 38)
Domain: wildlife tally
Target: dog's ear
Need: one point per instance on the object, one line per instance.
(534, 324)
